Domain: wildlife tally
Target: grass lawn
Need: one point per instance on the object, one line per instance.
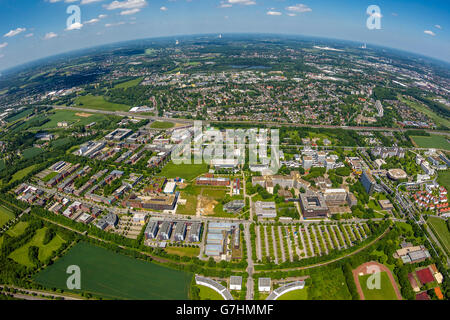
(1, 241)
(18, 229)
(433, 141)
(99, 103)
(2, 164)
(128, 84)
(21, 255)
(184, 171)
(207, 293)
(439, 227)
(72, 118)
(31, 152)
(117, 276)
(300, 294)
(22, 173)
(191, 204)
(51, 175)
(22, 114)
(162, 125)
(5, 215)
(444, 178)
(386, 291)
(184, 252)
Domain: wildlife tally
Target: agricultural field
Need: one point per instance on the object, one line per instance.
(184, 171)
(207, 293)
(128, 84)
(45, 251)
(5, 215)
(162, 125)
(386, 291)
(18, 229)
(98, 103)
(116, 276)
(20, 115)
(300, 294)
(433, 141)
(440, 228)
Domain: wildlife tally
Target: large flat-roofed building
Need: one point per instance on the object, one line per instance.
(227, 164)
(210, 180)
(335, 197)
(165, 230)
(235, 283)
(195, 232)
(265, 209)
(264, 284)
(313, 205)
(155, 202)
(180, 231)
(118, 134)
(368, 182)
(213, 250)
(151, 230)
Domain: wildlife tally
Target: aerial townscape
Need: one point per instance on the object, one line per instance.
(89, 173)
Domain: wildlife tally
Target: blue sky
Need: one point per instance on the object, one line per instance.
(33, 29)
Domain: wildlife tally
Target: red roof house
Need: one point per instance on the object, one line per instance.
(422, 296)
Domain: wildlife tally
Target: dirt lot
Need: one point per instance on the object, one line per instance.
(83, 114)
(206, 205)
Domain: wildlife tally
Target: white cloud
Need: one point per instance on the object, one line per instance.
(273, 13)
(131, 11)
(438, 26)
(3, 45)
(126, 4)
(431, 33)
(50, 35)
(89, 1)
(75, 26)
(29, 35)
(15, 32)
(108, 25)
(95, 20)
(163, 8)
(299, 8)
(230, 3)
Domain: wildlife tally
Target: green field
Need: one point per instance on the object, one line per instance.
(184, 171)
(99, 103)
(128, 84)
(439, 227)
(444, 179)
(5, 215)
(71, 118)
(191, 204)
(433, 141)
(116, 276)
(184, 252)
(162, 125)
(45, 251)
(208, 293)
(32, 152)
(18, 229)
(386, 291)
(2, 164)
(424, 109)
(22, 173)
(300, 294)
(20, 115)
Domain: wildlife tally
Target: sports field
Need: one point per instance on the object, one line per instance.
(440, 228)
(5, 215)
(207, 293)
(162, 125)
(72, 118)
(45, 251)
(116, 276)
(386, 291)
(98, 103)
(301, 294)
(433, 141)
(184, 171)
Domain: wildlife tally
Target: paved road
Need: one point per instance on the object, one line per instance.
(250, 267)
(29, 292)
